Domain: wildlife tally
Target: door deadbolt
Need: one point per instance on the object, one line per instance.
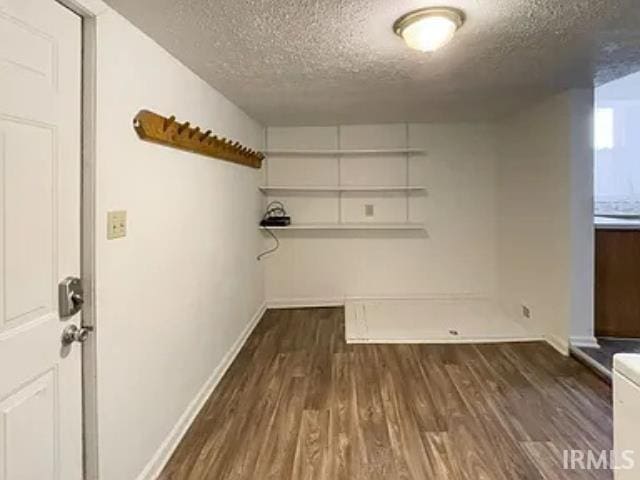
(70, 297)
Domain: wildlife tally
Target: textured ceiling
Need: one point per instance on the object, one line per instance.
(313, 62)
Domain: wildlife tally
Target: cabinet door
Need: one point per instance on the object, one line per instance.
(617, 289)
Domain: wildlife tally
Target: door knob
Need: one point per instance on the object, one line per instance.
(73, 333)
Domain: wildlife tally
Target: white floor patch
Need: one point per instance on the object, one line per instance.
(430, 321)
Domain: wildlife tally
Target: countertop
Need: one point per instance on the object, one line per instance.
(628, 364)
(614, 223)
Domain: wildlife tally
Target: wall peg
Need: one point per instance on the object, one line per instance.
(166, 131)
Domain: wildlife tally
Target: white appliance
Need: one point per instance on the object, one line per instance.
(626, 416)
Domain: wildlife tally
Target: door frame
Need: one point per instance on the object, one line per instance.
(87, 10)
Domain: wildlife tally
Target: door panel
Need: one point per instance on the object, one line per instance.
(617, 284)
(30, 246)
(40, 381)
(29, 423)
(35, 57)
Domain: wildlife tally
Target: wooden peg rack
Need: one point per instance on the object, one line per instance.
(166, 131)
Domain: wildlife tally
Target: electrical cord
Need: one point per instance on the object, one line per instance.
(271, 250)
(274, 209)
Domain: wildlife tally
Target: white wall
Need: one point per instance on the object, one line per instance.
(508, 215)
(180, 289)
(456, 256)
(582, 236)
(545, 207)
(617, 170)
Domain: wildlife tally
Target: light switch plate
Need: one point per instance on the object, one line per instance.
(116, 224)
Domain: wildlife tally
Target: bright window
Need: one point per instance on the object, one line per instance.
(603, 129)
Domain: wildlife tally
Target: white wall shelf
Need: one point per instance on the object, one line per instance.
(342, 188)
(371, 151)
(350, 183)
(349, 226)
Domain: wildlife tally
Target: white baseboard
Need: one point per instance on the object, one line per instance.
(445, 341)
(584, 342)
(560, 344)
(310, 302)
(425, 296)
(305, 302)
(591, 362)
(153, 469)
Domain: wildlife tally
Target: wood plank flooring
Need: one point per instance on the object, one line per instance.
(299, 403)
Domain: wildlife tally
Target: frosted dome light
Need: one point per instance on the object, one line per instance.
(428, 29)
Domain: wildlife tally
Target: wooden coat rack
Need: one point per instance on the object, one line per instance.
(166, 131)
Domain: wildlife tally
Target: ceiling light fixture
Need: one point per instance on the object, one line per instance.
(428, 29)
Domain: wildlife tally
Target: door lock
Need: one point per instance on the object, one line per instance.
(73, 333)
(70, 296)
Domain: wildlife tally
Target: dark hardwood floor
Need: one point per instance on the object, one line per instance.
(299, 403)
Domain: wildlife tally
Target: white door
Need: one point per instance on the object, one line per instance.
(40, 381)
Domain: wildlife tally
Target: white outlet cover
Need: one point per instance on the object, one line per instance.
(368, 210)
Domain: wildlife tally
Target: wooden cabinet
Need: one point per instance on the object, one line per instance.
(617, 289)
